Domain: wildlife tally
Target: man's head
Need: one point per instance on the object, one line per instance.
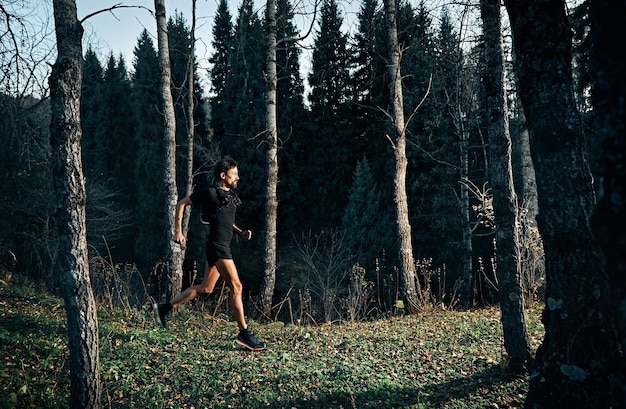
(226, 172)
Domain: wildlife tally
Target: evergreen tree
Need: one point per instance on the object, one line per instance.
(244, 112)
(290, 86)
(148, 162)
(292, 117)
(363, 53)
(367, 220)
(329, 78)
(26, 180)
(115, 132)
(107, 137)
(419, 66)
(368, 89)
(436, 176)
(107, 216)
(327, 153)
(90, 108)
(179, 36)
(223, 43)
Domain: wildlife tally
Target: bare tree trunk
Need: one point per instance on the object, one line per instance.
(271, 206)
(190, 110)
(407, 265)
(527, 184)
(72, 263)
(174, 254)
(191, 128)
(532, 262)
(516, 341)
(580, 348)
(467, 252)
(608, 30)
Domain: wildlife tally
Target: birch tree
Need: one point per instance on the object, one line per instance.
(174, 254)
(69, 185)
(191, 125)
(398, 142)
(271, 204)
(281, 45)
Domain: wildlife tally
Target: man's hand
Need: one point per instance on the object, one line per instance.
(179, 238)
(246, 234)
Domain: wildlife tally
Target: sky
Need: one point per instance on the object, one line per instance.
(117, 30)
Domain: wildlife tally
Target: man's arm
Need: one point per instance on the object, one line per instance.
(180, 209)
(245, 234)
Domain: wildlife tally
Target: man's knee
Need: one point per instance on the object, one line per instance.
(236, 287)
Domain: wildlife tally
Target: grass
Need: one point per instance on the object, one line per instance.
(437, 359)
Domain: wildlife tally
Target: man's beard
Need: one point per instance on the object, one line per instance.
(231, 185)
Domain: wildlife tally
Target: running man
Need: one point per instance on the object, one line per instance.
(219, 204)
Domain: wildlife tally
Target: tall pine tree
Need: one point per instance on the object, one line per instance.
(436, 170)
(243, 110)
(291, 114)
(180, 48)
(327, 153)
(223, 43)
(367, 219)
(148, 163)
(90, 109)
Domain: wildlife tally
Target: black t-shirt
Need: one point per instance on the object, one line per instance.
(218, 209)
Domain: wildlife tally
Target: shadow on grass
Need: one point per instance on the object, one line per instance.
(23, 323)
(442, 394)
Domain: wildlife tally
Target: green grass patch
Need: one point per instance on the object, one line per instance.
(437, 359)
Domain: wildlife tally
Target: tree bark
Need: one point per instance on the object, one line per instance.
(174, 254)
(516, 341)
(73, 264)
(580, 348)
(407, 265)
(191, 128)
(271, 204)
(526, 184)
(466, 290)
(608, 31)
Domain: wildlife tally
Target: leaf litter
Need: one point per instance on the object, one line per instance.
(436, 359)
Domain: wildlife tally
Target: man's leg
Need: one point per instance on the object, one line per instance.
(211, 275)
(228, 271)
(161, 311)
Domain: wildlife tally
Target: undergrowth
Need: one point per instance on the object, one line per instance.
(437, 359)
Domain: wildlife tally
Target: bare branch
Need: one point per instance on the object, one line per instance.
(393, 145)
(430, 155)
(430, 83)
(385, 112)
(305, 36)
(114, 7)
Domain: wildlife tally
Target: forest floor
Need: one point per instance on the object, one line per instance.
(435, 359)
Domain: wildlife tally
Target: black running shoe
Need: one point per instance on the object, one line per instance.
(247, 339)
(160, 312)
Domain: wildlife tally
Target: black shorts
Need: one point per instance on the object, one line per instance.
(215, 251)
